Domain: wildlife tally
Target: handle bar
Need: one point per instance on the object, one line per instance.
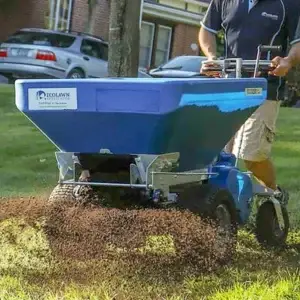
(238, 64)
(233, 65)
(269, 48)
(247, 65)
(264, 48)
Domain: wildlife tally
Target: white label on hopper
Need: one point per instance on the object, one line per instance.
(253, 91)
(52, 99)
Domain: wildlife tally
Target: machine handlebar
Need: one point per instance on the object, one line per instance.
(269, 48)
(215, 65)
(229, 65)
(239, 65)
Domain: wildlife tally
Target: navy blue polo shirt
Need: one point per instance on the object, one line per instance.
(250, 23)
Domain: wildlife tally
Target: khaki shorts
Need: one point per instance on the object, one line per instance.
(256, 136)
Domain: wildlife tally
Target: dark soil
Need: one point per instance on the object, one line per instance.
(83, 234)
(29, 208)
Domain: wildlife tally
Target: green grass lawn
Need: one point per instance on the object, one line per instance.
(27, 163)
(28, 167)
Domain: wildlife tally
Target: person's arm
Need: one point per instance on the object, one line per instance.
(210, 26)
(208, 43)
(284, 64)
(294, 54)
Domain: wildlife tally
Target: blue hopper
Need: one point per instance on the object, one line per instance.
(195, 117)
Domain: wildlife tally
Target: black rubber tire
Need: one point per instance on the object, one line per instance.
(62, 193)
(76, 74)
(205, 200)
(266, 223)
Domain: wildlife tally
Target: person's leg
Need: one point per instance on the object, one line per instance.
(254, 141)
(263, 171)
(253, 144)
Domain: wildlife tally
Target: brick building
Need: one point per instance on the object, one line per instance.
(169, 27)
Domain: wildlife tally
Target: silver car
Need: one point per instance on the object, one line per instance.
(180, 66)
(42, 53)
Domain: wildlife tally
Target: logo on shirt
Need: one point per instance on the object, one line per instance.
(270, 16)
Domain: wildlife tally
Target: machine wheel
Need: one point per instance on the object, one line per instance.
(72, 193)
(268, 232)
(62, 193)
(76, 74)
(217, 207)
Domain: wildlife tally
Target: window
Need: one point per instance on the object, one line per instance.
(146, 44)
(94, 49)
(163, 44)
(58, 16)
(41, 38)
(155, 44)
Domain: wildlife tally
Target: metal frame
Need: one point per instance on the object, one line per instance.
(262, 194)
(152, 171)
(233, 64)
(154, 174)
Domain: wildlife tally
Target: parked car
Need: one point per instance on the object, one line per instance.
(180, 66)
(42, 53)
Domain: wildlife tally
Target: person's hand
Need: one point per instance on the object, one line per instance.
(281, 65)
(212, 65)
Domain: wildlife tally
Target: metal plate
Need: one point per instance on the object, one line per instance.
(19, 52)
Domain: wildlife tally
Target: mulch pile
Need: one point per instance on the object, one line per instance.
(86, 233)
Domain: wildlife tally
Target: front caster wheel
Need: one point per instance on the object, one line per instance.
(268, 231)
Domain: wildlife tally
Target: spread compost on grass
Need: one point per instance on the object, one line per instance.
(147, 241)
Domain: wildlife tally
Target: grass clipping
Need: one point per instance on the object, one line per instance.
(147, 240)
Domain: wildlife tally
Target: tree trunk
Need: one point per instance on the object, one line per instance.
(124, 38)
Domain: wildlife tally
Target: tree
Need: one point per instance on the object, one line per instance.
(124, 38)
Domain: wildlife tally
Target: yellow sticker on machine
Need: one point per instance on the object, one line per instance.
(253, 91)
